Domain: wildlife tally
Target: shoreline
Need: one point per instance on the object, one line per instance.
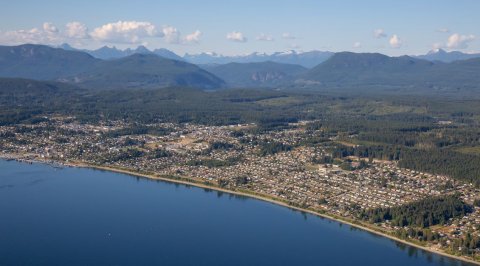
(245, 194)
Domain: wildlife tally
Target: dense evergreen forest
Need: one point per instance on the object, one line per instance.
(433, 160)
(421, 214)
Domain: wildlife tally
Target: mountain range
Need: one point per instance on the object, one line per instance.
(447, 57)
(148, 70)
(305, 59)
(107, 53)
(145, 71)
(41, 62)
(373, 69)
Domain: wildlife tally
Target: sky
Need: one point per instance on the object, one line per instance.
(241, 27)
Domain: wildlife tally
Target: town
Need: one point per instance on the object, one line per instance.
(293, 165)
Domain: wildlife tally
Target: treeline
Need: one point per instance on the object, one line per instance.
(159, 153)
(445, 162)
(352, 115)
(185, 105)
(123, 155)
(220, 145)
(430, 137)
(178, 105)
(422, 214)
(384, 152)
(273, 147)
(457, 165)
(463, 245)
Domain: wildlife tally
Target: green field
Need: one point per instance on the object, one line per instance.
(469, 150)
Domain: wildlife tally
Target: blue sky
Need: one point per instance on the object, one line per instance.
(240, 27)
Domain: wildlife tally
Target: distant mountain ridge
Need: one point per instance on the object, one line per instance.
(107, 53)
(145, 71)
(40, 62)
(305, 59)
(447, 57)
(373, 69)
(259, 74)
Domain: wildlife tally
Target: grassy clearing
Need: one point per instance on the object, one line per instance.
(280, 101)
(355, 142)
(469, 150)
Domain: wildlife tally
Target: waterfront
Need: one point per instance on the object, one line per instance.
(75, 216)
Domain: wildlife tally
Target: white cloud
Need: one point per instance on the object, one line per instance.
(445, 30)
(457, 41)
(395, 41)
(193, 37)
(122, 32)
(48, 34)
(236, 36)
(357, 45)
(125, 32)
(49, 28)
(21, 36)
(76, 30)
(288, 36)
(379, 33)
(172, 35)
(264, 37)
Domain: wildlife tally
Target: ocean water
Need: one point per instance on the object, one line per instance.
(74, 216)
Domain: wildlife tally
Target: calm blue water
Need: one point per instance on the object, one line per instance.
(71, 216)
